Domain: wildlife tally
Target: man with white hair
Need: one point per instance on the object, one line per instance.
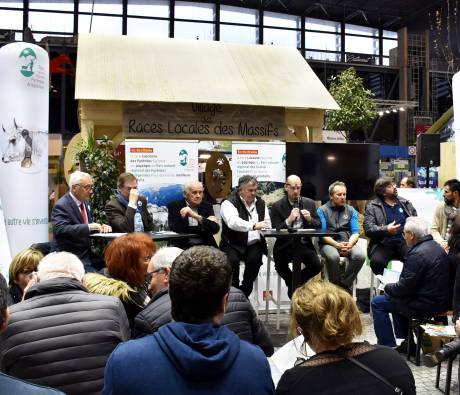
(239, 316)
(61, 335)
(423, 290)
(73, 221)
(193, 215)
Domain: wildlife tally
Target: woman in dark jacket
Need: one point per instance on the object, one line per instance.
(125, 275)
(328, 319)
(21, 272)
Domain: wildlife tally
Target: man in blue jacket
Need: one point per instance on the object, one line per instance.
(423, 290)
(194, 355)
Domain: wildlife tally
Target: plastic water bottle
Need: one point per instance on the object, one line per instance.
(138, 225)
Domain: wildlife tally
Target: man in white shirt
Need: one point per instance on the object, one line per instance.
(243, 216)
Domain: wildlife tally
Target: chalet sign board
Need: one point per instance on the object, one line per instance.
(203, 121)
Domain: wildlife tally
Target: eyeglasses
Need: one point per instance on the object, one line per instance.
(86, 187)
(294, 187)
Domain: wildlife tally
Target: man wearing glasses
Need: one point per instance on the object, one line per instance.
(384, 222)
(295, 212)
(73, 221)
(127, 210)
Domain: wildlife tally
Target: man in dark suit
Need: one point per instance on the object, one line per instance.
(127, 211)
(193, 215)
(73, 221)
(295, 212)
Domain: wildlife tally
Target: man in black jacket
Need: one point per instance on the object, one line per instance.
(243, 217)
(295, 212)
(239, 316)
(127, 211)
(193, 215)
(61, 335)
(9, 384)
(384, 221)
(423, 290)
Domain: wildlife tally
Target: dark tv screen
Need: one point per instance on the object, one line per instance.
(320, 164)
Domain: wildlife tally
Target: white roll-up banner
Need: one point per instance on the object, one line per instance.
(24, 98)
(456, 97)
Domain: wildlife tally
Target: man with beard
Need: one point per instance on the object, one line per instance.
(384, 222)
(445, 213)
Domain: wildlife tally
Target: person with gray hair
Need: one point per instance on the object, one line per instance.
(127, 210)
(339, 217)
(72, 220)
(61, 335)
(383, 224)
(243, 217)
(193, 215)
(424, 288)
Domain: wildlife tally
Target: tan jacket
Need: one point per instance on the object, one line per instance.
(439, 225)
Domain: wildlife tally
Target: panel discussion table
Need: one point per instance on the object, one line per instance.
(296, 235)
(156, 236)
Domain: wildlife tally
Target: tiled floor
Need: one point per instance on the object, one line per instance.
(424, 377)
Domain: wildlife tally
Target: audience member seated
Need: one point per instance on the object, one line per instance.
(295, 212)
(61, 335)
(21, 274)
(243, 216)
(423, 290)
(337, 216)
(193, 215)
(407, 182)
(239, 316)
(125, 275)
(445, 213)
(72, 219)
(328, 319)
(9, 384)
(127, 210)
(194, 354)
(383, 223)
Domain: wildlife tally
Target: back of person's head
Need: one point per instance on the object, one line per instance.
(165, 257)
(200, 278)
(417, 226)
(24, 262)
(381, 184)
(127, 257)
(3, 303)
(60, 264)
(325, 313)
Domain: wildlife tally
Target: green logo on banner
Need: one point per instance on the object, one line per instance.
(27, 69)
(183, 157)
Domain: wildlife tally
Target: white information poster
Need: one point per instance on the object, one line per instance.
(24, 102)
(265, 161)
(162, 167)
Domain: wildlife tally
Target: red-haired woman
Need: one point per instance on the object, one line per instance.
(126, 261)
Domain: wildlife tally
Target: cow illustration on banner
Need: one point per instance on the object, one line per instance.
(22, 145)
